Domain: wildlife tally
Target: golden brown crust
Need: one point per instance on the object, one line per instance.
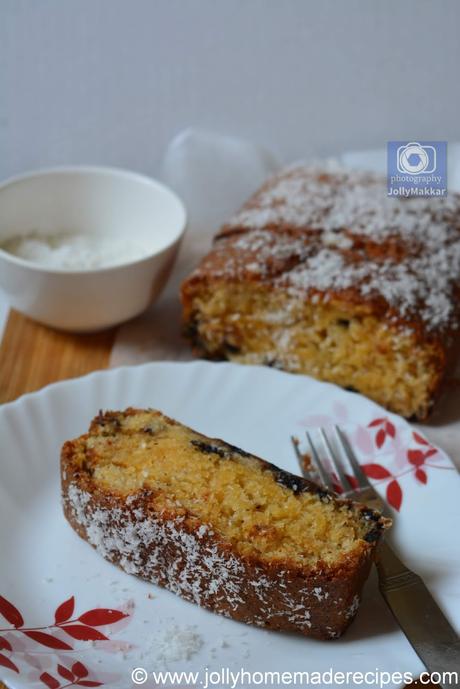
(178, 552)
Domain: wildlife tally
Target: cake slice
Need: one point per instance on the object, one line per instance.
(321, 273)
(217, 525)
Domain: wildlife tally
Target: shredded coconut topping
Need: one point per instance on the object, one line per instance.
(175, 643)
(320, 230)
(142, 544)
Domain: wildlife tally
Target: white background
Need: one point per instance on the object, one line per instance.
(111, 81)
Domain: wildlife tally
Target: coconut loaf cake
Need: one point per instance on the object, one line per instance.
(322, 273)
(216, 525)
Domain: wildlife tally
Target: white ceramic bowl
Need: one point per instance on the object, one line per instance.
(101, 201)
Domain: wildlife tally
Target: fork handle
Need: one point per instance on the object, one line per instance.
(417, 613)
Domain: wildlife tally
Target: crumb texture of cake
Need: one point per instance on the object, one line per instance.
(216, 525)
(321, 273)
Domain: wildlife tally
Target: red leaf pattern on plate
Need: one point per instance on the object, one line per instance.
(73, 679)
(386, 429)
(79, 669)
(10, 613)
(376, 422)
(420, 439)
(64, 611)
(432, 451)
(66, 673)
(83, 633)
(421, 476)
(81, 629)
(5, 644)
(416, 457)
(380, 437)
(394, 494)
(101, 616)
(6, 662)
(390, 429)
(48, 640)
(50, 681)
(375, 471)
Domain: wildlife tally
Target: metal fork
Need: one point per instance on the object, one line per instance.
(415, 610)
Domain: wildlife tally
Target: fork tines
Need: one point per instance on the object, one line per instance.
(327, 454)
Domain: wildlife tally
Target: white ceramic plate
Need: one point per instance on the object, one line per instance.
(44, 563)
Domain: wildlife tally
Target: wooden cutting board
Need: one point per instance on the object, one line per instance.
(32, 356)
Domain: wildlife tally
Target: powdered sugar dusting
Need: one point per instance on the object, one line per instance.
(326, 230)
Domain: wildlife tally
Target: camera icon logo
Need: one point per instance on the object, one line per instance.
(415, 159)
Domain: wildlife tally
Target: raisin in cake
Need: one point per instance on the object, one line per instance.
(321, 273)
(216, 525)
